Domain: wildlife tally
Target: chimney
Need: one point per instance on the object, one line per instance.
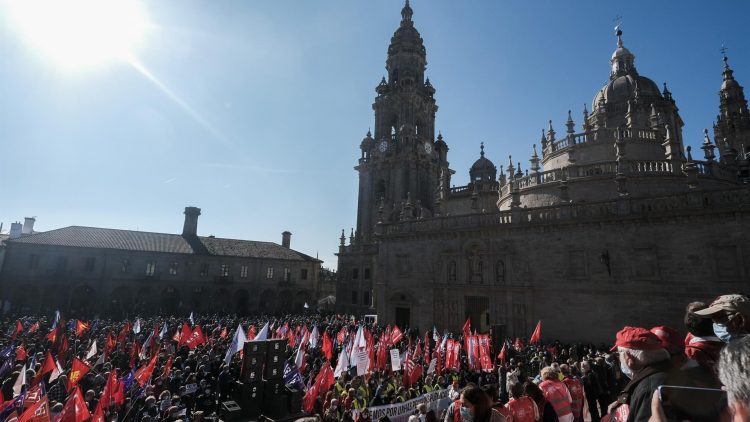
(286, 239)
(191, 221)
(28, 226)
(15, 230)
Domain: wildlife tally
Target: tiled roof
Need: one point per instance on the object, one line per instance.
(128, 240)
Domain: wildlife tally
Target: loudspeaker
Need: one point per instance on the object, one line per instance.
(250, 398)
(295, 401)
(275, 402)
(252, 367)
(254, 347)
(274, 366)
(230, 411)
(498, 336)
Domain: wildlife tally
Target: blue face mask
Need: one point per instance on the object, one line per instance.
(466, 414)
(625, 370)
(722, 332)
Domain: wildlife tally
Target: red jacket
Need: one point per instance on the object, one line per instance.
(523, 409)
(558, 395)
(576, 394)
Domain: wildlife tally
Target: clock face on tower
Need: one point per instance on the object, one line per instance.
(383, 146)
(427, 147)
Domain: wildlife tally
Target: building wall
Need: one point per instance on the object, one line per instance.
(118, 282)
(584, 277)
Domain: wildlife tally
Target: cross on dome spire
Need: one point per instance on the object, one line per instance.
(406, 12)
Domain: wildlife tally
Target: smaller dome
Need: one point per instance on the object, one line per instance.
(483, 168)
(621, 52)
(368, 142)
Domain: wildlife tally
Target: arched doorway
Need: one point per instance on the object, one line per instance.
(120, 302)
(82, 300)
(267, 301)
(300, 299)
(169, 301)
(403, 304)
(242, 302)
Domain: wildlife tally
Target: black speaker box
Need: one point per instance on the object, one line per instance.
(255, 347)
(252, 367)
(275, 401)
(295, 401)
(274, 367)
(231, 411)
(250, 398)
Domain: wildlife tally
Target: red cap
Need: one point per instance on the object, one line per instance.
(636, 338)
(670, 339)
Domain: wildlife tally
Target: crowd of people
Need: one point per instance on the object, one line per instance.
(170, 369)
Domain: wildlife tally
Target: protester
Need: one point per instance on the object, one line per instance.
(734, 372)
(730, 315)
(557, 394)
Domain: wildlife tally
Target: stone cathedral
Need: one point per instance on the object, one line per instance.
(611, 222)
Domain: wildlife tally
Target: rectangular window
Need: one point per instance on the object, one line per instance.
(367, 273)
(287, 274)
(61, 264)
(355, 273)
(224, 270)
(366, 298)
(150, 268)
(303, 274)
(173, 267)
(354, 297)
(33, 261)
(243, 271)
(125, 266)
(204, 269)
(269, 273)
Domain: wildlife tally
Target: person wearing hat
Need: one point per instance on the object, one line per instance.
(731, 316)
(673, 344)
(644, 360)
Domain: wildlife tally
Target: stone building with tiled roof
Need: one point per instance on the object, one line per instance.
(86, 270)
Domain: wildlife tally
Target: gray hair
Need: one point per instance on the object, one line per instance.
(645, 357)
(734, 370)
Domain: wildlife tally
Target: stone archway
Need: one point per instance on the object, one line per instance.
(241, 302)
(404, 309)
(267, 302)
(120, 302)
(82, 301)
(300, 299)
(169, 300)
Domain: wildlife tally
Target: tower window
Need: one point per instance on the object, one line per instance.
(224, 270)
(243, 271)
(150, 268)
(287, 274)
(173, 267)
(269, 273)
(303, 274)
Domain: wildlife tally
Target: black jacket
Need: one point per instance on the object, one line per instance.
(637, 393)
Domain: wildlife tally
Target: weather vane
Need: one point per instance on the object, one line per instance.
(618, 23)
(723, 50)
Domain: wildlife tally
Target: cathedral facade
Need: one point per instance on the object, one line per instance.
(612, 223)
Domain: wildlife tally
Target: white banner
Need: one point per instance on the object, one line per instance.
(395, 361)
(437, 400)
(362, 362)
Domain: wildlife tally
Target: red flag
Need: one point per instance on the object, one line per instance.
(142, 375)
(341, 336)
(467, 327)
(34, 327)
(396, 335)
(426, 357)
(62, 351)
(47, 367)
(18, 330)
(77, 371)
(327, 347)
(196, 338)
(75, 409)
(518, 344)
(81, 327)
(98, 415)
(34, 396)
(21, 353)
(184, 335)
(290, 338)
(503, 355)
(382, 357)
(36, 413)
(250, 333)
(167, 368)
(537, 334)
(223, 333)
(124, 332)
(110, 345)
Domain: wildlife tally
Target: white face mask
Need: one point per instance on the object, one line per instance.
(626, 370)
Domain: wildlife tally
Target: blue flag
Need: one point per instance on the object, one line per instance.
(292, 377)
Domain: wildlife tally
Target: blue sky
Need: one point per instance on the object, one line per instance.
(275, 97)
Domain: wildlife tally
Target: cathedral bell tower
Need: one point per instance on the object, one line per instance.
(732, 127)
(399, 169)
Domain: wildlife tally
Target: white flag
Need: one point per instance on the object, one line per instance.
(20, 382)
(314, 337)
(92, 351)
(342, 365)
(238, 341)
(137, 326)
(262, 334)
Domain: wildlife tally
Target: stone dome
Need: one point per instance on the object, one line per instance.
(622, 88)
(483, 168)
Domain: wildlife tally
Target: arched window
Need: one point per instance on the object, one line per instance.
(452, 271)
(500, 271)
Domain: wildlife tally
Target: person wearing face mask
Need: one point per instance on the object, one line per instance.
(730, 315)
(473, 406)
(644, 360)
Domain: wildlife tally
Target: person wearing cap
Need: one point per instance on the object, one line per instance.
(731, 316)
(644, 360)
(672, 343)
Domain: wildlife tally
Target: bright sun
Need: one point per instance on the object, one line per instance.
(81, 33)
